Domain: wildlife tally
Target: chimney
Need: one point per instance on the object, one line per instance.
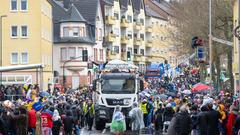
(66, 4)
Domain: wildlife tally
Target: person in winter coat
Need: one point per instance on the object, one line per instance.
(38, 124)
(202, 121)
(236, 126)
(144, 106)
(194, 118)
(136, 116)
(168, 115)
(56, 122)
(231, 119)
(183, 124)
(32, 121)
(222, 123)
(159, 119)
(46, 122)
(118, 125)
(68, 123)
(21, 122)
(213, 117)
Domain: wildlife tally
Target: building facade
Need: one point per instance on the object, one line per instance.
(26, 39)
(236, 49)
(78, 39)
(125, 30)
(164, 31)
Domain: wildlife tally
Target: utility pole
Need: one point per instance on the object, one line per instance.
(210, 43)
(1, 45)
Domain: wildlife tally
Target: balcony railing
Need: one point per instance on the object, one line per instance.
(124, 23)
(111, 37)
(124, 39)
(110, 20)
(149, 29)
(137, 41)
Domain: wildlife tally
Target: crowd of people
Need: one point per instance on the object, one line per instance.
(163, 107)
(41, 113)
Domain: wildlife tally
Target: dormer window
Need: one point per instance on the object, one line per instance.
(73, 31)
(76, 32)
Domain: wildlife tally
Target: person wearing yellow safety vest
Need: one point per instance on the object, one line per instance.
(144, 109)
(89, 112)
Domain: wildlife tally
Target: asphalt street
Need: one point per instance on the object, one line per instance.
(84, 131)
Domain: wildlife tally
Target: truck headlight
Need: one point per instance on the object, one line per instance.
(127, 101)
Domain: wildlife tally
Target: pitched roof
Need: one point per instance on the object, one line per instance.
(109, 1)
(164, 6)
(152, 13)
(124, 4)
(73, 15)
(136, 5)
(88, 8)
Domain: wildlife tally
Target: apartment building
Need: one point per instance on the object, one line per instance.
(26, 39)
(78, 40)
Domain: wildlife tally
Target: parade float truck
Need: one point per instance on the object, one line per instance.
(118, 83)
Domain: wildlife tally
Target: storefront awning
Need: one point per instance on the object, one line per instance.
(20, 67)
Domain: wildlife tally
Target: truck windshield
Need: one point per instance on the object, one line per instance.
(118, 86)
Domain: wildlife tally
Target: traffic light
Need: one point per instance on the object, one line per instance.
(128, 55)
(85, 55)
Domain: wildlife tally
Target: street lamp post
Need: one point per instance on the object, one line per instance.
(1, 45)
(210, 43)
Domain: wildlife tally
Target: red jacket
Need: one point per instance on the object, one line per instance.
(231, 119)
(46, 120)
(32, 119)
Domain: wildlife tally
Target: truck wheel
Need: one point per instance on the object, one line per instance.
(100, 124)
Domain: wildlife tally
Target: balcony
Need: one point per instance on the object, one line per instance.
(124, 40)
(137, 58)
(110, 20)
(137, 41)
(149, 43)
(137, 25)
(112, 55)
(149, 29)
(124, 23)
(111, 37)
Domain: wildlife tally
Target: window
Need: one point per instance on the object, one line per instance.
(116, 49)
(80, 53)
(96, 33)
(75, 32)
(23, 5)
(101, 54)
(72, 52)
(116, 16)
(14, 58)
(95, 54)
(65, 32)
(100, 34)
(116, 31)
(135, 51)
(82, 32)
(142, 21)
(129, 36)
(142, 52)
(129, 18)
(63, 54)
(14, 5)
(14, 30)
(142, 36)
(24, 58)
(24, 30)
(135, 35)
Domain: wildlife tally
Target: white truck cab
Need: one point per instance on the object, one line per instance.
(114, 88)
